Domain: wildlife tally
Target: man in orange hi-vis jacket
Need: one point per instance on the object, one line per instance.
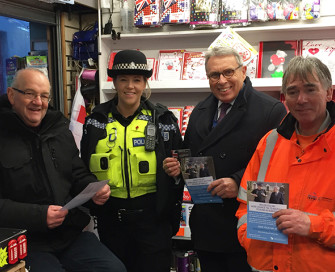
(302, 156)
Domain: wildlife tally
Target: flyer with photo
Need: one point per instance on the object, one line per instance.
(265, 198)
(198, 173)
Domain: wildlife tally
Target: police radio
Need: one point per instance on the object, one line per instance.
(150, 135)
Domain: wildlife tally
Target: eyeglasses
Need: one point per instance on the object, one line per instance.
(215, 76)
(32, 96)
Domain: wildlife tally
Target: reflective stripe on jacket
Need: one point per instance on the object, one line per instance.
(311, 178)
(121, 158)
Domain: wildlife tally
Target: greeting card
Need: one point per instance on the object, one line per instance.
(230, 38)
(274, 57)
(252, 68)
(186, 117)
(152, 64)
(194, 66)
(324, 50)
(170, 64)
(110, 63)
(178, 113)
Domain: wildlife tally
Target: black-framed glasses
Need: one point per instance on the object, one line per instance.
(32, 96)
(215, 76)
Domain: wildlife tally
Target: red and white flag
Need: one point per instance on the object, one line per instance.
(78, 113)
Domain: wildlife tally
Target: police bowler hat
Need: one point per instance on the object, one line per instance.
(130, 62)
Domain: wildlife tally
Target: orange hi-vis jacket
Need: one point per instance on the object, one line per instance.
(310, 174)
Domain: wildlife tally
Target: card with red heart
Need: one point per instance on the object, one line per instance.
(170, 64)
(321, 49)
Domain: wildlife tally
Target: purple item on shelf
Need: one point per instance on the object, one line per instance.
(183, 262)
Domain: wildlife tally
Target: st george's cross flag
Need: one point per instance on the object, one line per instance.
(78, 112)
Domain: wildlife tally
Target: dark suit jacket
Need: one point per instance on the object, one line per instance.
(203, 172)
(276, 199)
(231, 144)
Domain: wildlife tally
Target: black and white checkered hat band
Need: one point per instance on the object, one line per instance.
(130, 66)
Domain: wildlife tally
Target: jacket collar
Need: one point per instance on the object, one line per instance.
(287, 127)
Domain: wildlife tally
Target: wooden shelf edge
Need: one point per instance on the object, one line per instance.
(190, 86)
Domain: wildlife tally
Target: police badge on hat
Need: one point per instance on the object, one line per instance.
(130, 62)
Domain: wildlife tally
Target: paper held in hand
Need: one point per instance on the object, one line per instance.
(264, 199)
(85, 195)
(198, 173)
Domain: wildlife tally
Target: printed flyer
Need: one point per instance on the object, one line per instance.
(265, 198)
(198, 173)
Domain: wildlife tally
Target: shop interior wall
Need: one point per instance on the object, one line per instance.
(71, 23)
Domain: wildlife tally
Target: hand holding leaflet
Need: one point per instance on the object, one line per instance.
(198, 173)
(260, 223)
(198, 190)
(85, 195)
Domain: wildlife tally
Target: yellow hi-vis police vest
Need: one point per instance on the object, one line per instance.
(121, 158)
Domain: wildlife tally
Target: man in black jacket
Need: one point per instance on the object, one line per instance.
(259, 193)
(40, 171)
(230, 138)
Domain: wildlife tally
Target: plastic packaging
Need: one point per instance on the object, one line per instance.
(310, 9)
(147, 13)
(234, 12)
(257, 10)
(127, 18)
(204, 14)
(291, 9)
(275, 10)
(175, 12)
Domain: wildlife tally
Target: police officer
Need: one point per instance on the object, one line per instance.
(126, 140)
(259, 193)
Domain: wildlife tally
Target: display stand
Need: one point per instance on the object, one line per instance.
(19, 267)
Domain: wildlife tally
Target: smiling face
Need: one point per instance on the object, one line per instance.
(30, 111)
(307, 101)
(129, 89)
(225, 90)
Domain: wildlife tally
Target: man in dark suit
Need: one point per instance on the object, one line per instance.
(276, 196)
(231, 141)
(203, 171)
